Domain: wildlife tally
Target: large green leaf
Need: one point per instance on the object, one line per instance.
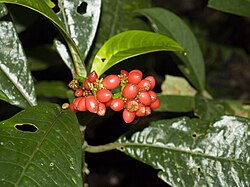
(129, 44)
(167, 23)
(80, 25)
(16, 82)
(41, 146)
(42, 8)
(194, 152)
(117, 17)
(239, 7)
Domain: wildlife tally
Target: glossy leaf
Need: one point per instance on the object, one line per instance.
(41, 146)
(129, 44)
(167, 23)
(239, 7)
(81, 24)
(192, 152)
(117, 16)
(51, 89)
(16, 82)
(64, 53)
(42, 8)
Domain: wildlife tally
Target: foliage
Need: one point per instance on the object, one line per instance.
(45, 144)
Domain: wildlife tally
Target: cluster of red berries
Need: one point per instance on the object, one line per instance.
(126, 91)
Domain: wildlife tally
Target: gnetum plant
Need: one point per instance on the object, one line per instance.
(44, 143)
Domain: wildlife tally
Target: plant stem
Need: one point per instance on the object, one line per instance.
(101, 148)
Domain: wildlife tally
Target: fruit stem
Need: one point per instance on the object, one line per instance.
(101, 148)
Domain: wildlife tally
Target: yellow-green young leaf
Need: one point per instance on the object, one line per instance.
(118, 14)
(42, 8)
(169, 24)
(193, 152)
(130, 44)
(16, 85)
(41, 146)
(239, 7)
(50, 3)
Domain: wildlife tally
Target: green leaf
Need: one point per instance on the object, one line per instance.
(193, 152)
(16, 82)
(118, 14)
(79, 24)
(51, 89)
(167, 23)
(41, 146)
(3, 10)
(237, 108)
(130, 44)
(42, 8)
(50, 3)
(209, 109)
(239, 7)
(176, 103)
(64, 53)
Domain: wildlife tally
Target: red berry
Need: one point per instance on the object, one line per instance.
(104, 95)
(91, 104)
(76, 102)
(111, 81)
(144, 98)
(82, 105)
(153, 95)
(134, 77)
(124, 73)
(152, 81)
(128, 117)
(130, 91)
(101, 109)
(72, 108)
(137, 71)
(141, 111)
(132, 105)
(87, 84)
(155, 104)
(108, 103)
(117, 104)
(144, 85)
(78, 93)
(148, 111)
(92, 77)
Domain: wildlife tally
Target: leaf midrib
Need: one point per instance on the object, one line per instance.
(187, 152)
(19, 89)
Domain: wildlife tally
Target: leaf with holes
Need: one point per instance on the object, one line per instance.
(167, 23)
(42, 8)
(119, 16)
(16, 86)
(192, 152)
(239, 7)
(80, 18)
(41, 146)
(129, 44)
